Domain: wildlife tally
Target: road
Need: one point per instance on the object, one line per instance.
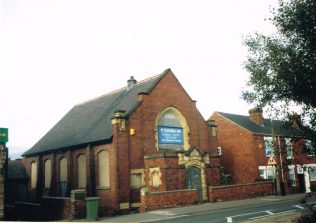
(230, 215)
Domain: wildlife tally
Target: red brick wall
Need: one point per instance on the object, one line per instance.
(240, 151)
(172, 177)
(127, 151)
(168, 199)
(243, 153)
(170, 93)
(240, 191)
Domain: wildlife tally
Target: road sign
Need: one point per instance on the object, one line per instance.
(4, 135)
(271, 161)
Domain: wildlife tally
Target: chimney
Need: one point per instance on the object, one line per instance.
(255, 115)
(295, 121)
(130, 83)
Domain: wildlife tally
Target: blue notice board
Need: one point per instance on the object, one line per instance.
(170, 135)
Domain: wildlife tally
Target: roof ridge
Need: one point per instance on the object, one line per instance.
(123, 88)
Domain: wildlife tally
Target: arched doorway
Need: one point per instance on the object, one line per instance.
(193, 180)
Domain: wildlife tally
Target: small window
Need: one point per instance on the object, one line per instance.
(33, 174)
(289, 150)
(267, 172)
(155, 176)
(137, 178)
(268, 145)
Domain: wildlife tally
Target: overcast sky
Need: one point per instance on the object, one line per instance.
(55, 54)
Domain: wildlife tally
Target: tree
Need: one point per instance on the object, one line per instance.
(282, 66)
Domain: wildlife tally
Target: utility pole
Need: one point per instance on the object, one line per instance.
(279, 167)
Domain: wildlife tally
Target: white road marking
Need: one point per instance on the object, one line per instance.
(230, 218)
(166, 213)
(270, 199)
(263, 216)
(250, 213)
(270, 213)
(298, 206)
(167, 218)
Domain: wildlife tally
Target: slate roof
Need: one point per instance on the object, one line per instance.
(90, 121)
(16, 170)
(280, 127)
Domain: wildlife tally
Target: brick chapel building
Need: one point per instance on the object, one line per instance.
(148, 134)
(248, 145)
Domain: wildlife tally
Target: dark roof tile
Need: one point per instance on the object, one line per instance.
(280, 128)
(90, 121)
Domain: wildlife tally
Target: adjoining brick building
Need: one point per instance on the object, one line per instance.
(248, 145)
(146, 135)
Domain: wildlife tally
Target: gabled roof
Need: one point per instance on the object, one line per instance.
(280, 128)
(90, 121)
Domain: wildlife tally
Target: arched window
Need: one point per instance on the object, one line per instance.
(172, 130)
(63, 174)
(104, 169)
(48, 173)
(33, 174)
(63, 170)
(82, 172)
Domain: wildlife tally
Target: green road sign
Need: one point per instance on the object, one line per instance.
(4, 135)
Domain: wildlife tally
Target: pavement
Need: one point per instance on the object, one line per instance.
(182, 211)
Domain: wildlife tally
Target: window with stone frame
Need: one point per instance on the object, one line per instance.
(155, 176)
(268, 146)
(289, 149)
(172, 131)
(137, 178)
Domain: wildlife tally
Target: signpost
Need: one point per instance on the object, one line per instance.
(3, 167)
(4, 137)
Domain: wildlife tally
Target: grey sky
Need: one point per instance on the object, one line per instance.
(57, 53)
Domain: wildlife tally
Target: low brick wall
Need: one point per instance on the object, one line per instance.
(63, 208)
(240, 191)
(50, 209)
(168, 199)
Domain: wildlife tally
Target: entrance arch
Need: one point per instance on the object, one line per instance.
(193, 180)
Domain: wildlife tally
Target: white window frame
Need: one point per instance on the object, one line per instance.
(268, 172)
